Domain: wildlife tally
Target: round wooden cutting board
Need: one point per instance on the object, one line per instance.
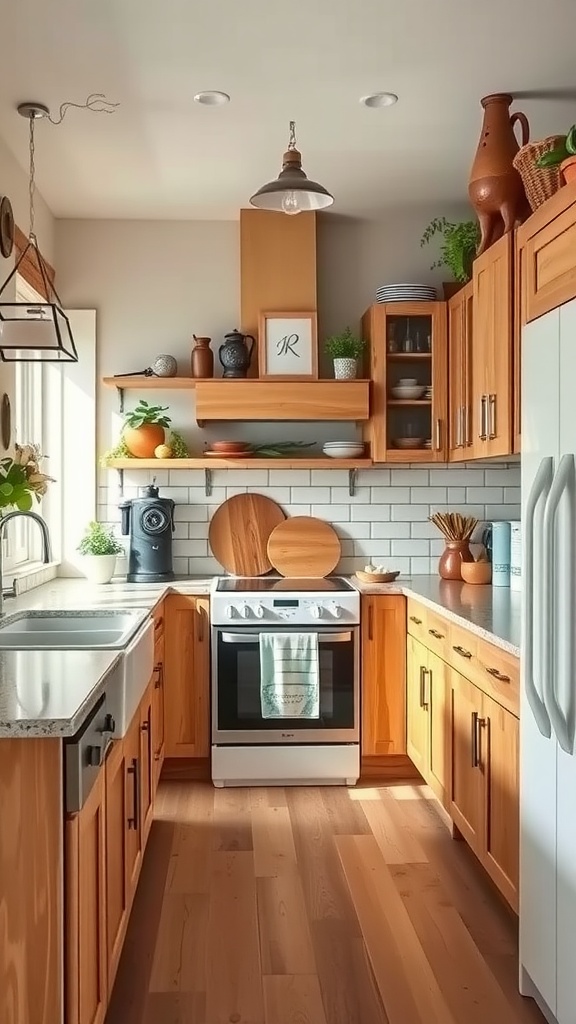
(304, 546)
(239, 532)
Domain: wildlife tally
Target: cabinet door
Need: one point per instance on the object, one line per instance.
(158, 714)
(86, 946)
(116, 872)
(503, 798)
(383, 675)
(132, 821)
(146, 766)
(417, 743)
(467, 805)
(187, 677)
(493, 346)
(438, 775)
(456, 378)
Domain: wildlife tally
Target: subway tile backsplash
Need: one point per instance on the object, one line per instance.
(385, 521)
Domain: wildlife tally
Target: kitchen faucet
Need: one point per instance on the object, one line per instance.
(46, 546)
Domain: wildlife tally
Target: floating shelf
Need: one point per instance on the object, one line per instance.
(157, 383)
(202, 463)
(279, 400)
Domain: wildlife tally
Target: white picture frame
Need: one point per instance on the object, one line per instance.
(288, 346)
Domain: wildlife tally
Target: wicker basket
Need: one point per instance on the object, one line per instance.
(540, 183)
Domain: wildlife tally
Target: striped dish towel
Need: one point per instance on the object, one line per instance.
(289, 675)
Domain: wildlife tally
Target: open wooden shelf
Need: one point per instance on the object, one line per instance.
(282, 400)
(202, 463)
(158, 383)
(401, 357)
(409, 401)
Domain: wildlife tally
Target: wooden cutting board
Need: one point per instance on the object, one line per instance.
(239, 532)
(304, 546)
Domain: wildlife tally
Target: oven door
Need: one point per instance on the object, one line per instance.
(236, 708)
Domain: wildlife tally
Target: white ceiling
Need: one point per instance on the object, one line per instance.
(164, 156)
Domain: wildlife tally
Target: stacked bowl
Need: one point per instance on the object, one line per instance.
(408, 389)
(343, 449)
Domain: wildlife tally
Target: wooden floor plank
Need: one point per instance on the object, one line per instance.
(349, 993)
(180, 955)
(293, 999)
(407, 985)
(191, 858)
(397, 843)
(346, 816)
(273, 842)
(175, 1008)
(232, 824)
(234, 976)
(285, 943)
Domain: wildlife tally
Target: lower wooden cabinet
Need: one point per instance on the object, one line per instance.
(85, 928)
(158, 746)
(428, 717)
(117, 882)
(467, 804)
(146, 767)
(383, 675)
(416, 706)
(187, 676)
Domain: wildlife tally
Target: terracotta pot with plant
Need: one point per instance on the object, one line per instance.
(457, 250)
(144, 429)
(345, 349)
(564, 154)
(99, 548)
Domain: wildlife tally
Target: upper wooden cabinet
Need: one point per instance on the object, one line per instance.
(460, 325)
(407, 340)
(220, 399)
(187, 676)
(547, 246)
(383, 675)
(492, 350)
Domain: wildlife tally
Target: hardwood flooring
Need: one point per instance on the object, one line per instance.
(314, 906)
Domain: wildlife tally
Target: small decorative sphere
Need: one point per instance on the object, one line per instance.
(163, 451)
(165, 366)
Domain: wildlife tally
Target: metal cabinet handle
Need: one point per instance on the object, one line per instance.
(418, 622)
(482, 434)
(370, 622)
(436, 634)
(492, 417)
(498, 675)
(200, 615)
(427, 695)
(458, 440)
(145, 726)
(438, 438)
(159, 670)
(477, 723)
(133, 770)
(466, 421)
(422, 686)
(462, 652)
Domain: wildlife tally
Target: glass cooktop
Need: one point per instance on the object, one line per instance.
(253, 585)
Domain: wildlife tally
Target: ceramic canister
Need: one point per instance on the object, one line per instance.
(515, 556)
(501, 534)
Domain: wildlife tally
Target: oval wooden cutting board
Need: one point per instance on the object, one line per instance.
(304, 546)
(239, 532)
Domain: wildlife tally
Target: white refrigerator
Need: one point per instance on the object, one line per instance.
(548, 701)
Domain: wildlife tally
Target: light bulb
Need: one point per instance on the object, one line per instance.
(290, 203)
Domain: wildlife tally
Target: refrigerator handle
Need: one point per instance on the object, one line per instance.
(564, 477)
(532, 605)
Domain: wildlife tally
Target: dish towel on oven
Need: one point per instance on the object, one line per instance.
(289, 675)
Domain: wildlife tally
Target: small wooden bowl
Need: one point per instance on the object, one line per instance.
(479, 573)
(376, 577)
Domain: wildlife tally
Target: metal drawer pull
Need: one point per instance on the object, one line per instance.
(422, 686)
(159, 670)
(438, 445)
(415, 620)
(482, 434)
(436, 634)
(492, 417)
(498, 675)
(133, 770)
(253, 638)
(462, 651)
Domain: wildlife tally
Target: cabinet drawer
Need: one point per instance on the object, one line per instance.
(488, 667)
(427, 627)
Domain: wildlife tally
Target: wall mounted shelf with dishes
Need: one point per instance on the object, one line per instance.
(409, 370)
(202, 463)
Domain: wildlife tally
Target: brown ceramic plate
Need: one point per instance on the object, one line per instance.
(229, 446)
(228, 455)
(376, 577)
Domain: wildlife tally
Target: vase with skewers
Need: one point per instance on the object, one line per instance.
(457, 531)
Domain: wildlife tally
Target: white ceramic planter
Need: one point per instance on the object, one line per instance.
(345, 369)
(98, 568)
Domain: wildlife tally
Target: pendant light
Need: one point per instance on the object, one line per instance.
(292, 192)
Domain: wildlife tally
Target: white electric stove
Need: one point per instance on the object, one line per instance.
(248, 749)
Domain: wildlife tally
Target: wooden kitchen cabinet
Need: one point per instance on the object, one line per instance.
(85, 921)
(492, 350)
(547, 243)
(117, 895)
(428, 717)
(158, 746)
(502, 844)
(460, 327)
(187, 677)
(383, 675)
(467, 804)
(416, 707)
(146, 764)
(133, 846)
(407, 340)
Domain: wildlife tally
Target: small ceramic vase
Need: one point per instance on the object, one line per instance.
(455, 552)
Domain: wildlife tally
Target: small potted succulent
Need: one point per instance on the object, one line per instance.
(99, 548)
(144, 429)
(457, 250)
(563, 153)
(345, 349)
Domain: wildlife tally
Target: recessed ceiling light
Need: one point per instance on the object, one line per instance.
(212, 98)
(379, 99)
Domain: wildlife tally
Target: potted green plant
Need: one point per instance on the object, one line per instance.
(144, 429)
(563, 153)
(457, 249)
(99, 548)
(345, 349)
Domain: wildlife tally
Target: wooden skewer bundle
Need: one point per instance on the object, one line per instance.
(454, 526)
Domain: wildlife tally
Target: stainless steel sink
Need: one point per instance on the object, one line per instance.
(100, 629)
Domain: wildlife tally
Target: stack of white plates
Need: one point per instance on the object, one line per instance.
(343, 449)
(406, 293)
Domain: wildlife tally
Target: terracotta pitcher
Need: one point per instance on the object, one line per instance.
(495, 188)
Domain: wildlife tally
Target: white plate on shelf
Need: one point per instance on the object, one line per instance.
(407, 394)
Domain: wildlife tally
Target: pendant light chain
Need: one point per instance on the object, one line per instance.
(292, 142)
(32, 181)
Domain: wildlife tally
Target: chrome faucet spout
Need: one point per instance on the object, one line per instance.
(46, 545)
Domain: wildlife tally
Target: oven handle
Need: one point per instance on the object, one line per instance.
(253, 638)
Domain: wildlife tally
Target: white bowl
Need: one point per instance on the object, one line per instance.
(407, 393)
(407, 382)
(344, 452)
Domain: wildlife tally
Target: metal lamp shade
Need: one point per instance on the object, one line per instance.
(292, 191)
(32, 332)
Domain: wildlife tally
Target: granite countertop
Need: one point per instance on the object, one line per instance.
(48, 693)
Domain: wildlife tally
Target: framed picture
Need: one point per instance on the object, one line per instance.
(288, 346)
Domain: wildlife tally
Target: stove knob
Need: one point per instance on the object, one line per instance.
(336, 610)
(259, 611)
(245, 611)
(316, 611)
(229, 611)
(94, 756)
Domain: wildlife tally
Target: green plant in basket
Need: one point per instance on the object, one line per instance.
(458, 247)
(561, 152)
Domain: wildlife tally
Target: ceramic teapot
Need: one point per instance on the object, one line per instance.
(235, 354)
